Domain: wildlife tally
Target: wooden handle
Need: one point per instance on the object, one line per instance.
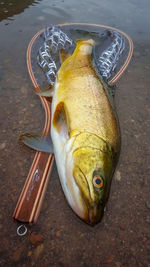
(29, 203)
(31, 197)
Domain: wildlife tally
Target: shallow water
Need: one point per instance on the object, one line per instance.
(59, 238)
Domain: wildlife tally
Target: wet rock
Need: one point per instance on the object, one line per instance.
(80, 235)
(18, 100)
(32, 105)
(17, 254)
(29, 253)
(118, 176)
(38, 251)
(14, 198)
(35, 238)
(137, 136)
(109, 259)
(24, 90)
(118, 264)
(2, 146)
(148, 219)
(58, 234)
(147, 203)
(122, 226)
(24, 110)
(5, 242)
(136, 54)
(133, 251)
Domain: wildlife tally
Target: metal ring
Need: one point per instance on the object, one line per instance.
(21, 230)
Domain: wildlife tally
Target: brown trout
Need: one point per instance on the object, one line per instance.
(85, 134)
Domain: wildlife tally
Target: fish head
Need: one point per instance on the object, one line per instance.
(91, 171)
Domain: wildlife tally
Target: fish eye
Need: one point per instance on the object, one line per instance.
(98, 181)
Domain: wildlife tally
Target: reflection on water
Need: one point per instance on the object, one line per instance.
(9, 8)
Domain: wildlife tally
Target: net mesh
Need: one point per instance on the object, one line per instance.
(55, 39)
(108, 60)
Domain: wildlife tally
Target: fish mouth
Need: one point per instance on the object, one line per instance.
(93, 212)
(95, 215)
(88, 207)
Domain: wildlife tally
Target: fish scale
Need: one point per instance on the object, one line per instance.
(85, 98)
(85, 134)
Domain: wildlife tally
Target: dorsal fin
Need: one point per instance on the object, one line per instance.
(64, 55)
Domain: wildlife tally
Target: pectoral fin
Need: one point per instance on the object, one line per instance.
(61, 121)
(37, 142)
